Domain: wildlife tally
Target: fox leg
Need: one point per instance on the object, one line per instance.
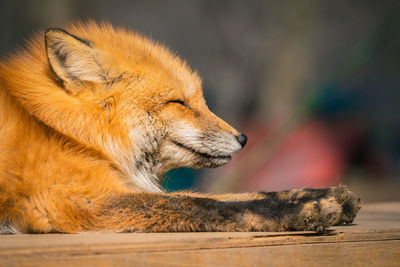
(337, 205)
(148, 212)
(306, 209)
(127, 211)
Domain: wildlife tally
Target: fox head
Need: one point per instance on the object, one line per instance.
(125, 96)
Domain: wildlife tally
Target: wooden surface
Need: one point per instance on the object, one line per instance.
(373, 240)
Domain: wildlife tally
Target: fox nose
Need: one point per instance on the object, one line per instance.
(242, 139)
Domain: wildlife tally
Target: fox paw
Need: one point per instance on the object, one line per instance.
(337, 205)
(341, 205)
(302, 210)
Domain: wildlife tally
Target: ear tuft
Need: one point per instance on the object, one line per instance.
(72, 58)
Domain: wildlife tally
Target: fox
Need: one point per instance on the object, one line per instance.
(92, 116)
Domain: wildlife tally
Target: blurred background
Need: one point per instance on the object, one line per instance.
(314, 84)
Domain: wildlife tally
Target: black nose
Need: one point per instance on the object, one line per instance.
(242, 139)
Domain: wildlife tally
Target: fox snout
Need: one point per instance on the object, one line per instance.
(207, 147)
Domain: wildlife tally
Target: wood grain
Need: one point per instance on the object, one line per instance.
(374, 239)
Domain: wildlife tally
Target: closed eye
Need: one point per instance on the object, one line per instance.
(180, 102)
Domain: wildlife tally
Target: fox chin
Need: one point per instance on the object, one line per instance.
(91, 118)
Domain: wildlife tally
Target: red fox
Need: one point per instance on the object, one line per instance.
(91, 118)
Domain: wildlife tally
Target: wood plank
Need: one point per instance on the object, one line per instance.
(85, 244)
(371, 253)
(376, 229)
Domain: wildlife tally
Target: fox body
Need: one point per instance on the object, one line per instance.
(91, 118)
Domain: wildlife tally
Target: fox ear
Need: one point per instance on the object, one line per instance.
(71, 58)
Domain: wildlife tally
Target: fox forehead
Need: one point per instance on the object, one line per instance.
(132, 52)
